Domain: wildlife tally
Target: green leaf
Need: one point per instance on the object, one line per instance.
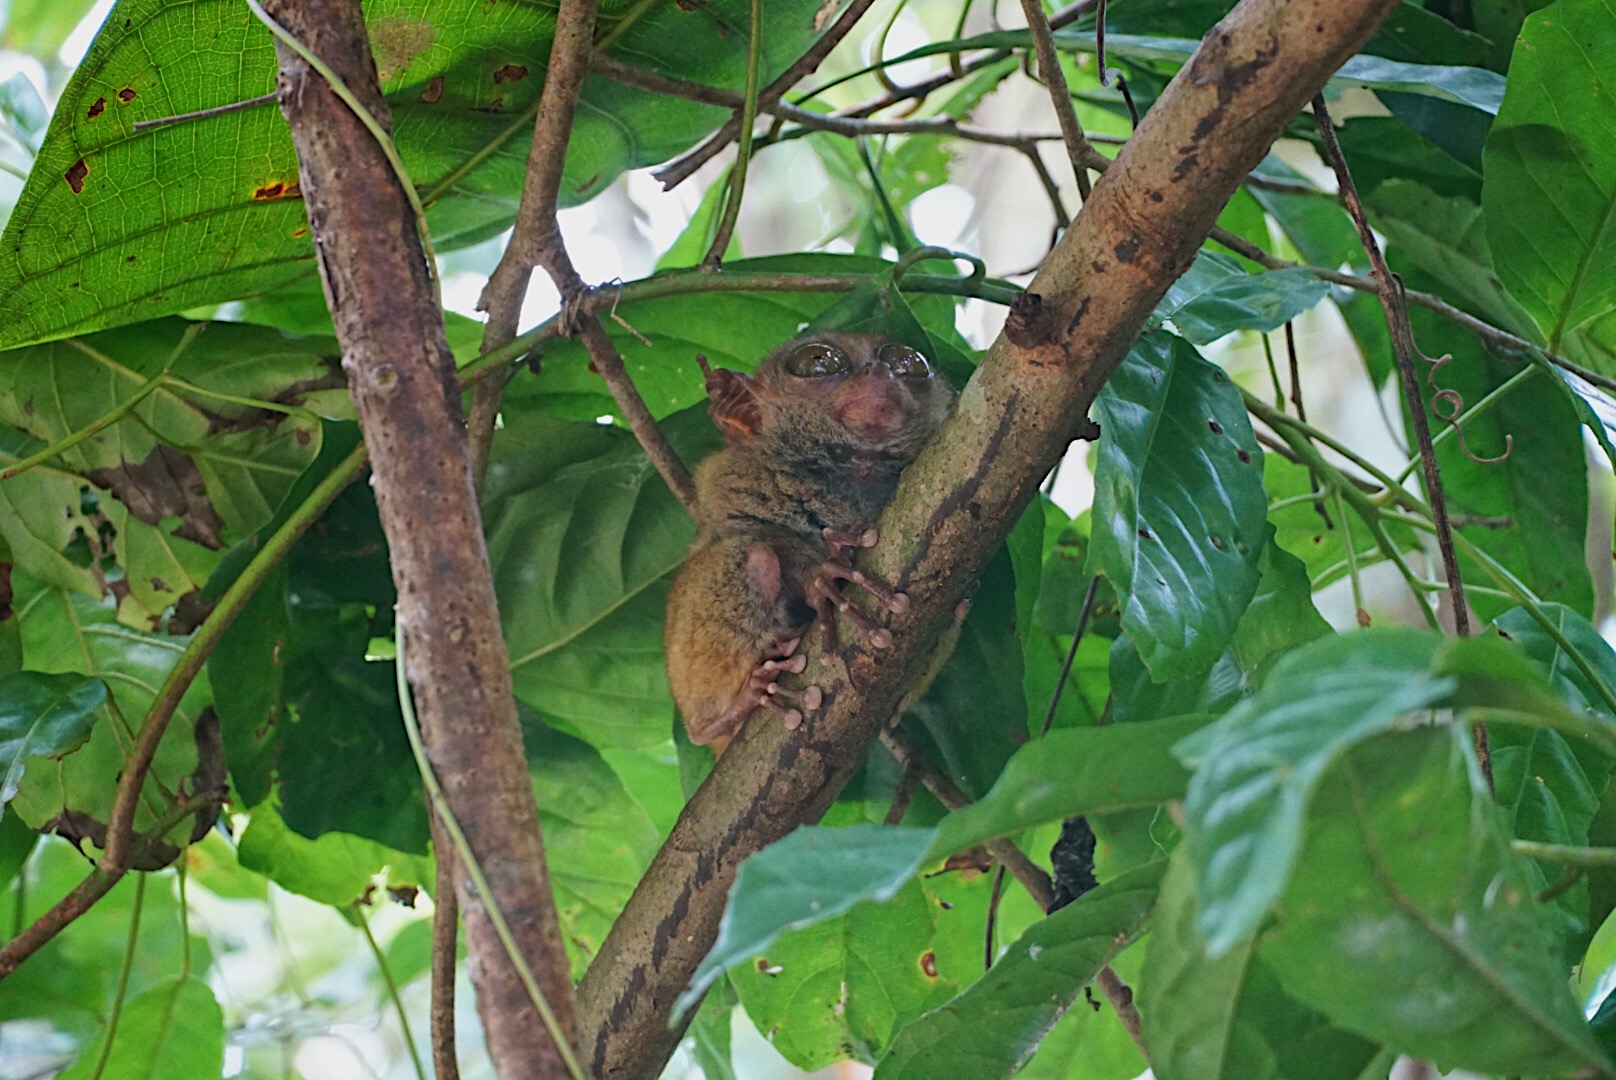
(845, 987)
(1216, 297)
(300, 701)
(975, 712)
(1179, 509)
(335, 869)
(42, 716)
(1381, 149)
(1257, 768)
(581, 560)
(174, 1030)
(992, 1028)
(1550, 196)
(67, 633)
(1078, 771)
(1445, 238)
(116, 225)
(1226, 1017)
(597, 839)
(1435, 943)
(16, 844)
(810, 876)
(1089, 1043)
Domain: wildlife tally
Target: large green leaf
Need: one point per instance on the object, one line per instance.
(580, 561)
(117, 225)
(42, 715)
(1257, 768)
(992, 1028)
(1225, 1017)
(174, 1030)
(975, 712)
(1179, 510)
(844, 988)
(336, 868)
(597, 838)
(1409, 919)
(299, 701)
(1550, 194)
(1078, 771)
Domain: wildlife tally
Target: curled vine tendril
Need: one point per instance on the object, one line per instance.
(1447, 404)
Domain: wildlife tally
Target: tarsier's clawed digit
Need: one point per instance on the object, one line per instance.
(814, 443)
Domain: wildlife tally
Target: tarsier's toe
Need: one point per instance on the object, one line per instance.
(880, 638)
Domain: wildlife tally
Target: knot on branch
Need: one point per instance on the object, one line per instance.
(1033, 328)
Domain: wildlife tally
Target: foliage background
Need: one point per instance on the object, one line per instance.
(582, 538)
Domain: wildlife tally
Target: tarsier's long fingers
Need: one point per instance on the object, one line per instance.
(825, 595)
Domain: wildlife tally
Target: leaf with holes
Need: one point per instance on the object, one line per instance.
(117, 224)
(1180, 518)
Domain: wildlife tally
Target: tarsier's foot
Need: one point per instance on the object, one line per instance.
(825, 593)
(762, 687)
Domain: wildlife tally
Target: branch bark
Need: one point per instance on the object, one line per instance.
(1138, 232)
(401, 377)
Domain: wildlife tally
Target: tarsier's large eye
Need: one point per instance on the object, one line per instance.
(816, 359)
(904, 362)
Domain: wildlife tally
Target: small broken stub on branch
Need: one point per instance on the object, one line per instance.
(1030, 327)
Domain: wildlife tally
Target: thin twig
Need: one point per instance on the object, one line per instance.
(203, 114)
(445, 933)
(681, 170)
(743, 155)
(1077, 144)
(1083, 616)
(1404, 349)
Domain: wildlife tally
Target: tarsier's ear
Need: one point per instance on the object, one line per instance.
(734, 407)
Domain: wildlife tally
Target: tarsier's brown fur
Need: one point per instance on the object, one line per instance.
(809, 463)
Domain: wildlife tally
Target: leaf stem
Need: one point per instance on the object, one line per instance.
(392, 988)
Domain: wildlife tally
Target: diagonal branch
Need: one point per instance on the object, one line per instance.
(1140, 230)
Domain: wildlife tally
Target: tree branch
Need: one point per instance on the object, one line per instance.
(1140, 230)
(401, 377)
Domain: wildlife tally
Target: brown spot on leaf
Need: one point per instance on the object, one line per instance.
(126, 95)
(300, 232)
(96, 108)
(166, 485)
(159, 585)
(928, 964)
(397, 40)
(278, 190)
(434, 90)
(1244, 456)
(497, 105)
(5, 592)
(1217, 428)
(75, 176)
(510, 73)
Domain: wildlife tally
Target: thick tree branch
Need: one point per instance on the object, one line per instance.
(1139, 231)
(401, 377)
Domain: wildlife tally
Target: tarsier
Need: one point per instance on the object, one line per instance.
(814, 443)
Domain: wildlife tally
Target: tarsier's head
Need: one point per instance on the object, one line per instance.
(864, 390)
